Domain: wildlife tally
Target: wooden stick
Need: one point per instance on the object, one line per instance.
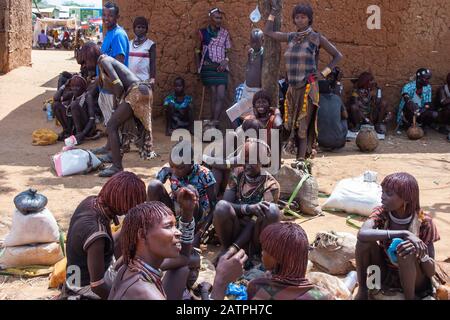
(202, 104)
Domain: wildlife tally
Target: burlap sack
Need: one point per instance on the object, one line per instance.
(332, 252)
(22, 256)
(308, 196)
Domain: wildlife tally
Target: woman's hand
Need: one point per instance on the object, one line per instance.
(275, 6)
(223, 66)
(188, 200)
(152, 82)
(258, 210)
(230, 266)
(406, 248)
(420, 246)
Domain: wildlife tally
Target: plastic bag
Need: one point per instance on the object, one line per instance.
(43, 255)
(74, 161)
(30, 201)
(237, 291)
(255, 16)
(330, 285)
(355, 195)
(40, 227)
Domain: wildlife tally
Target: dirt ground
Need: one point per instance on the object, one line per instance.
(22, 165)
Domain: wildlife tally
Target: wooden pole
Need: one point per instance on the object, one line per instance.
(272, 54)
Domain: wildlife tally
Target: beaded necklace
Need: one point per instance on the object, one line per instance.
(255, 195)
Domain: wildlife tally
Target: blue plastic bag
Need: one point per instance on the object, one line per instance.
(238, 291)
(392, 250)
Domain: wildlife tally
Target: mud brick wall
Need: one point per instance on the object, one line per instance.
(15, 34)
(413, 34)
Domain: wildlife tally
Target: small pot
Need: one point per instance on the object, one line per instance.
(415, 132)
(367, 139)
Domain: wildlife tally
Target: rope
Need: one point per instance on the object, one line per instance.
(287, 209)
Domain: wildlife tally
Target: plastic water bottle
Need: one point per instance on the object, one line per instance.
(379, 94)
(49, 112)
(351, 280)
(71, 141)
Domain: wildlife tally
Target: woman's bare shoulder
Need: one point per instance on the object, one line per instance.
(142, 290)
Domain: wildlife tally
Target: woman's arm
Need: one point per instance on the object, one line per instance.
(152, 53)
(428, 266)
(118, 87)
(96, 267)
(275, 35)
(278, 122)
(368, 233)
(91, 123)
(59, 94)
(333, 51)
(198, 51)
(229, 268)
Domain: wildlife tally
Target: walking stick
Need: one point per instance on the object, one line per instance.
(202, 104)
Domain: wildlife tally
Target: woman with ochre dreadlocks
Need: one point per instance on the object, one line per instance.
(150, 237)
(302, 59)
(285, 254)
(398, 237)
(90, 243)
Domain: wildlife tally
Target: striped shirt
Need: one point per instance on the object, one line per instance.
(301, 57)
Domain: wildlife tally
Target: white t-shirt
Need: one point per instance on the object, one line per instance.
(139, 60)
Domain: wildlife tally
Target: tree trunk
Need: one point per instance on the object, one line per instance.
(272, 55)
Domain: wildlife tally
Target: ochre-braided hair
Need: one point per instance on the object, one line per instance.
(137, 222)
(288, 244)
(364, 79)
(407, 188)
(89, 51)
(123, 191)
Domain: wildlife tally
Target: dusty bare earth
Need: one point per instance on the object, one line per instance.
(22, 165)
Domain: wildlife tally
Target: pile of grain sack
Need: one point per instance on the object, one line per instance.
(34, 238)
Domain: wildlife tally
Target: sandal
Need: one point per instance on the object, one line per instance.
(109, 172)
(101, 150)
(97, 135)
(105, 158)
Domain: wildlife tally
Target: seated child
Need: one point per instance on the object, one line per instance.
(183, 173)
(253, 80)
(66, 94)
(366, 105)
(179, 109)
